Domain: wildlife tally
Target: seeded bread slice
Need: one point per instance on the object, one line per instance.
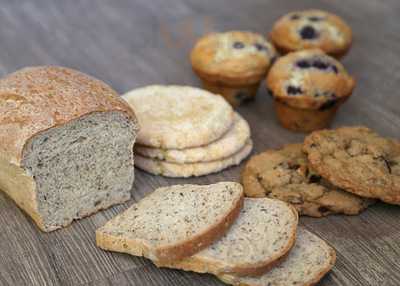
(262, 235)
(173, 222)
(309, 260)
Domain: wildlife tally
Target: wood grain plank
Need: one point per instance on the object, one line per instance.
(153, 276)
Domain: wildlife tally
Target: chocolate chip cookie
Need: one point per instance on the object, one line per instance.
(285, 174)
(358, 160)
(312, 29)
(308, 87)
(232, 63)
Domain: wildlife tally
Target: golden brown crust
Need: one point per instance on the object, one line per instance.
(110, 242)
(334, 35)
(203, 266)
(358, 160)
(19, 187)
(312, 283)
(328, 267)
(215, 59)
(315, 87)
(35, 99)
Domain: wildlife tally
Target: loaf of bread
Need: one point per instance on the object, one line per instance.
(66, 144)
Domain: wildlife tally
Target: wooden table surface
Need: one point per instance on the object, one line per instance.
(133, 43)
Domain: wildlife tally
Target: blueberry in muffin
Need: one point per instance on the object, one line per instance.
(309, 29)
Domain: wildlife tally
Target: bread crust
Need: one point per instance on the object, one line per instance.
(34, 99)
(170, 253)
(327, 269)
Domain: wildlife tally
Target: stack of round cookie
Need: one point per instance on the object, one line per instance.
(186, 131)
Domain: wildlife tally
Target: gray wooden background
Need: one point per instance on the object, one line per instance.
(132, 43)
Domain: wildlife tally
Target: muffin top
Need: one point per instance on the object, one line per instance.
(312, 29)
(234, 57)
(309, 79)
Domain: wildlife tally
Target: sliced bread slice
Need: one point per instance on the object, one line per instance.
(309, 260)
(173, 222)
(262, 235)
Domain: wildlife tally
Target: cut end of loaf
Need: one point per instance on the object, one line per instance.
(81, 167)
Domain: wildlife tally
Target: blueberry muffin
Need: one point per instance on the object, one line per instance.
(232, 63)
(308, 87)
(312, 29)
